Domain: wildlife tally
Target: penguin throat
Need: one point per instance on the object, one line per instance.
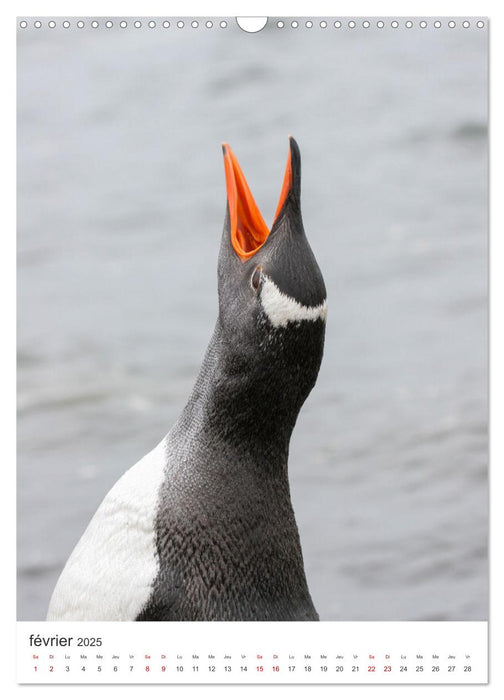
(250, 407)
(249, 231)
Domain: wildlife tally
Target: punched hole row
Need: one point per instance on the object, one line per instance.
(223, 24)
(138, 24)
(366, 24)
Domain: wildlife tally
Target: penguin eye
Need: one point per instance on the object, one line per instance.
(256, 278)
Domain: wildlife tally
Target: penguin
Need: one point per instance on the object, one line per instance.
(203, 528)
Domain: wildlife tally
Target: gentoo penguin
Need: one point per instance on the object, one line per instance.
(202, 528)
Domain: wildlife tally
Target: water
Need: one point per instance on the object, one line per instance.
(121, 205)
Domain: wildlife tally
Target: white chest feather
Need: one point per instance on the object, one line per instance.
(111, 570)
(282, 309)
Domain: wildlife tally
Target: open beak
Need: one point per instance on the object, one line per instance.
(249, 231)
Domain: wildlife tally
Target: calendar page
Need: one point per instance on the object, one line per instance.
(252, 349)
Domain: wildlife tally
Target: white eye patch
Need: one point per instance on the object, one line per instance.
(282, 309)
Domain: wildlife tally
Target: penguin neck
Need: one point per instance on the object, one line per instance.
(241, 408)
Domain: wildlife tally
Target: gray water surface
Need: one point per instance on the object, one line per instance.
(121, 206)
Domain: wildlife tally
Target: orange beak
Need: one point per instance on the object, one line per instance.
(249, 231)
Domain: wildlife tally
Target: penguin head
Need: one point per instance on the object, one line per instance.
(272, 297)
(272, 308)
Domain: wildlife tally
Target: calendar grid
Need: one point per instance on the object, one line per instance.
(253, 653)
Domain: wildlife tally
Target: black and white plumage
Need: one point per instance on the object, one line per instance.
(202, 528)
